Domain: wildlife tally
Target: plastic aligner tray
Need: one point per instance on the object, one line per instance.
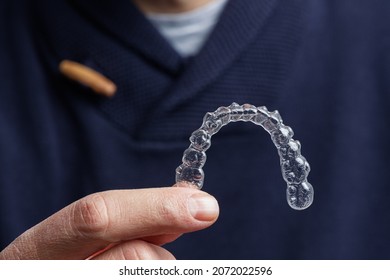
(294, 166)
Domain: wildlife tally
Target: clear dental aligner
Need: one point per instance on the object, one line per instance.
(294, 166)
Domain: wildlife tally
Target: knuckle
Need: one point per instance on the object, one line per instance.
(136, 250)
(142, 250)
(90, 218)
(172, 212)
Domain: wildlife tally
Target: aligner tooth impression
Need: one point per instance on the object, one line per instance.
(294, 166)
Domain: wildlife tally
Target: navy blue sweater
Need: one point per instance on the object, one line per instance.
(324, 64)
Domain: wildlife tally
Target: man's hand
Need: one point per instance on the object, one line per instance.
(120, 224)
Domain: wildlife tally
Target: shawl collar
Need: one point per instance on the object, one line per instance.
(123, 20)
(127, 23)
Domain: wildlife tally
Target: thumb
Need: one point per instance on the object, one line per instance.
(93, 222)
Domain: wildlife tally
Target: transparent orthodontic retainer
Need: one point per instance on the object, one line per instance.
(294, 166)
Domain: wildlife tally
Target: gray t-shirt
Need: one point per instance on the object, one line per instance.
(187, 32)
